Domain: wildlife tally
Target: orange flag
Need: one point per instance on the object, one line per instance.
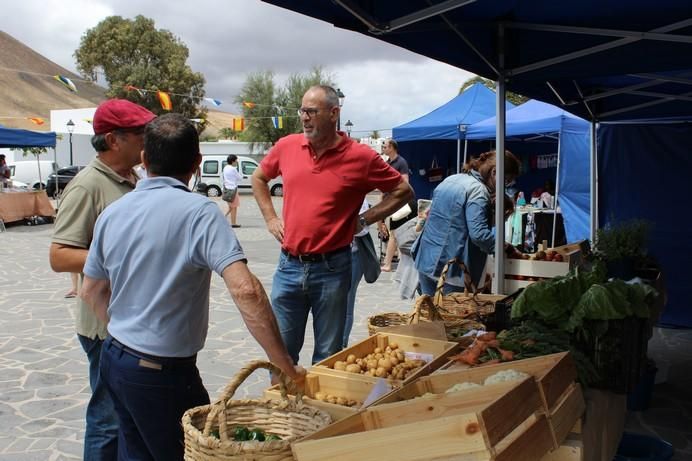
(249, 105)
(165, 100)
(238, 124)
(36, 120)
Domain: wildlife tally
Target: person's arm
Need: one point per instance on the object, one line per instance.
(253, 304)
(97, 294)
(480, 232)
(260, 188)
(66, 258)
(401, 195)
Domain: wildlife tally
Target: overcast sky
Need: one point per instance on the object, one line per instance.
(384, 85)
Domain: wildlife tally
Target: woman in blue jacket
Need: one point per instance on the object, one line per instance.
(459, 224)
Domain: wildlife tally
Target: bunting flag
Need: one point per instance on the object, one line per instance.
(197, 120)
(238, 124)
(278, 122)
(67, 82)
(36, 120)
(249, 105)
(165, 100)
(88, 120)
(214, 102)
(134, 88)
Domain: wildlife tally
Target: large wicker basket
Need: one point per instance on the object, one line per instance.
(287, 418)
(389, 319)
(460, 312)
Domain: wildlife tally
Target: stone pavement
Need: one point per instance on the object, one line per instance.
(43, 371)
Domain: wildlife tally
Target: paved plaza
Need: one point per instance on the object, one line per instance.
(43, 371)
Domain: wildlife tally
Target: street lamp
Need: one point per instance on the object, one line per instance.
(341, 103)
(70, 129)
(348, 125)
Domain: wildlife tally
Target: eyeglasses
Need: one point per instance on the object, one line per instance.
(309, 111)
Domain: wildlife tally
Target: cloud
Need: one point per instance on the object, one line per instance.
(385, 85)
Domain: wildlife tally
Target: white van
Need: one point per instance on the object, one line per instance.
(27, 171)
(211, 175)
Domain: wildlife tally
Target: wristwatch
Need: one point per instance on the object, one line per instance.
(361, 220)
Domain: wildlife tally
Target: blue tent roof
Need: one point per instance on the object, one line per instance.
(10, 137)
(603, 66)
(473, 105)
(532, 117)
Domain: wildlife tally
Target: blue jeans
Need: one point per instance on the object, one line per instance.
(101, 435)
(356, 277)
(428, 285)
(321, 287)
(150, 395)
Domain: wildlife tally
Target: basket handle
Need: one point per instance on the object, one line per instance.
(427, 301)
(468, 282)
(218, 408)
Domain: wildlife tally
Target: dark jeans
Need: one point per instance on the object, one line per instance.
(150, 396)
(101, 435)
(321, 287)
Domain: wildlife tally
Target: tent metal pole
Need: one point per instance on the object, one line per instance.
(57, 195)
(499, 269)
(557, 191)
(458, 148)
(466, 150)
(594, 183)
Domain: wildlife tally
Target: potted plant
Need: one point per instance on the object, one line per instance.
(623, 247)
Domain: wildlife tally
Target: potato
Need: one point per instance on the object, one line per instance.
(319, 396)
(339, 365)
(394, 360)
(341, 401)
(378, 350)
(353, 368)
(393, 346)
(372, 372)
(388, 349)
(400, 355)
(351, 358)
(372, 364)
(380, 372)
(385, 363)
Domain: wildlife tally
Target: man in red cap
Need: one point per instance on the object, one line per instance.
(118, 140)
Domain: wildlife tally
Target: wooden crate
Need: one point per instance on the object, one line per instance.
(496, 422)
(339, 386)
(554, 374)
(440, 351)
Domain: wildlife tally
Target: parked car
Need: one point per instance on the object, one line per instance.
(210, 179)
(64, 176)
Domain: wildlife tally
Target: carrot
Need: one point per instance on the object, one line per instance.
(487, 336)
(506, 355)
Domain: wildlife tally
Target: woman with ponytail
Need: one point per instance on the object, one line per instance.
(459, 224)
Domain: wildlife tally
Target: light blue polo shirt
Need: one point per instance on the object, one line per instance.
(158, 245)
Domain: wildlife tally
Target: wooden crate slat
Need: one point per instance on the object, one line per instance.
(568, 411)
(527, 444)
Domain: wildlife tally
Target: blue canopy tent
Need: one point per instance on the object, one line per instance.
(445, 124)
(11, 137)
(535, 119)
(635, 64)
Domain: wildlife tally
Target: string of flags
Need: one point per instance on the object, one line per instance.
(35, 120)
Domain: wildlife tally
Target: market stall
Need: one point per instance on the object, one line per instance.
(437, 137)
(16, 205)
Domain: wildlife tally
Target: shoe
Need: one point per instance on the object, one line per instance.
(385, 269)
(71, 294)
(235, 225)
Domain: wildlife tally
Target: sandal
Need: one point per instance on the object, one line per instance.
(71, 294)
(235, 225)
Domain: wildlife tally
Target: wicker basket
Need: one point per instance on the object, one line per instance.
(289, 419)
(390, 319)
(460, 312)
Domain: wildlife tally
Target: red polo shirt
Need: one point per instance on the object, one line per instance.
(323, 196)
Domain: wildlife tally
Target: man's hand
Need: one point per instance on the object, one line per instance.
(276, 228)
(297, 378)
(382, 229)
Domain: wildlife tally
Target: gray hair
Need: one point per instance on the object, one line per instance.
(331, 96)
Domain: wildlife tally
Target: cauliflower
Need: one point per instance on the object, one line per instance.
(462, 386)
(504, 376)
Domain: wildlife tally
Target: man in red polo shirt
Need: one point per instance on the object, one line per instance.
(326, 176)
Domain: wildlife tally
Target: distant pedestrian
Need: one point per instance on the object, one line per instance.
(231, 179)
(326, 176)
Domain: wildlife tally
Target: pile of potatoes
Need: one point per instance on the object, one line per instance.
(337, 400)
(390, 363)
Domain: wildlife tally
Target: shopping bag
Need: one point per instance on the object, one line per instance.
(435, 173)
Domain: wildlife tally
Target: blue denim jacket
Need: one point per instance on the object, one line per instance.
(457, 227)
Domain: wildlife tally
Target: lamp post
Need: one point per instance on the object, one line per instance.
(341, 103)
(70, 129)
(348, 126)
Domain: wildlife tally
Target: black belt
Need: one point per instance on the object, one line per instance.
(159, 360)
(316, 257)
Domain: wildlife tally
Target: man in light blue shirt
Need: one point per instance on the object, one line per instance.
(148, 274)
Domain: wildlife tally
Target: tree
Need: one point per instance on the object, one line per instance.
(375, 135)
(133, 52)
(514, 98)
(262, 99)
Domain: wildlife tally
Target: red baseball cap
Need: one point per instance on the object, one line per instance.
(120, 114)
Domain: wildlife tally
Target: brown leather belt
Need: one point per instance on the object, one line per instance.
(316, 257)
